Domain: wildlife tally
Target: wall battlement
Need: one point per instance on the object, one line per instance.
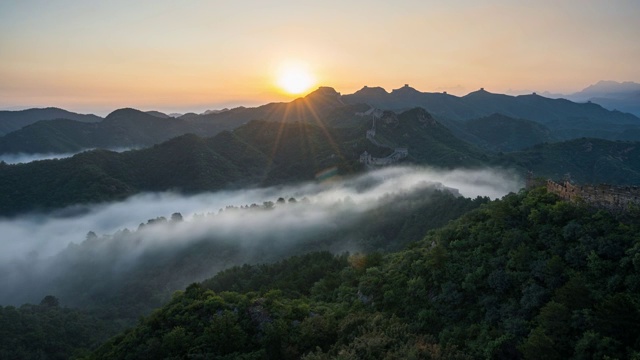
(602, 196)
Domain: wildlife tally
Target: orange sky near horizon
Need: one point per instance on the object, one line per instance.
(172, 56)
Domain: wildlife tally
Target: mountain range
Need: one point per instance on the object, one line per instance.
(283, 142)
(264, 153)
(557, 119)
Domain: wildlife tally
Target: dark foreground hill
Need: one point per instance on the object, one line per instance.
(116, 278)
(527, 277)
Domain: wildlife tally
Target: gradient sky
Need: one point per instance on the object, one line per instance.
(97, 56)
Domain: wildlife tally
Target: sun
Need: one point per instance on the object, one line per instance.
(295, 79)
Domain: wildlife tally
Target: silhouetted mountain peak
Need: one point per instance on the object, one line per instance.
(406, 89)
(125, 112)
(482, 91)
(371, 91)
(323, 91)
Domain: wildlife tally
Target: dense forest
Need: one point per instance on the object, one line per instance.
(115, 278)
(528, 276)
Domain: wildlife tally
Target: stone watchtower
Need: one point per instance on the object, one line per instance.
(365, 158)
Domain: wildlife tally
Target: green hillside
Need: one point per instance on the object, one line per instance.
(587, 161)
(498, 132)
(526, 277)
(428, 141)
(259, 153)
(118, 277)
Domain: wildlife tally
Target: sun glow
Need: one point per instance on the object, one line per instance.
(295, 79)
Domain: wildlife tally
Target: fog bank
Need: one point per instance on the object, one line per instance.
(251, 223)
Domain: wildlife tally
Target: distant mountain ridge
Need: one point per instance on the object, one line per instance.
(613, 95)
(565, 118)
(131, 127)
(14, 120)
(326, 107)
(121, 128)
(269, 153)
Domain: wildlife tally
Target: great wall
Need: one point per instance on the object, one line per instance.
(366, 158)
(617, 198)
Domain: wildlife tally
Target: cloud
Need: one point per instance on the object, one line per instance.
(32, 241)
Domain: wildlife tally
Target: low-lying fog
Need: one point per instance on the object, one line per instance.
(34, 238)
(22, 158)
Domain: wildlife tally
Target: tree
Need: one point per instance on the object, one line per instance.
(176, 217)
(50, 301)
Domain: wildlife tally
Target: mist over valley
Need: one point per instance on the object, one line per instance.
(250, 221)
(319, 180)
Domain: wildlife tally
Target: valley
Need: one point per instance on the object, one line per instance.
(372, 207)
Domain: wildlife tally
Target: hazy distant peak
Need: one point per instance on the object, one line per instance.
(215, 111)
(606, 86)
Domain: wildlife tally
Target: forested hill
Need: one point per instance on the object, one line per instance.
(134, 128)
(586, 160)
(525, 277)
(121, 129)
(260, 153)
(268, 153)
(111, 280)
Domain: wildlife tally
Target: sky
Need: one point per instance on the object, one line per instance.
(178, 56)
